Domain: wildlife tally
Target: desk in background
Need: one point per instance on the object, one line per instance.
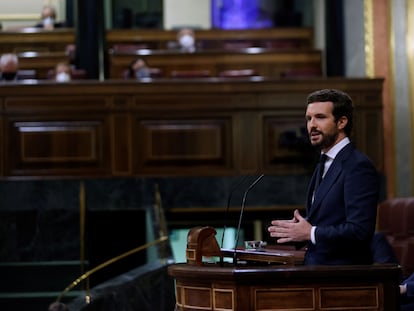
(301, 37)
(265, 62)
(41, 62)
(36, 40)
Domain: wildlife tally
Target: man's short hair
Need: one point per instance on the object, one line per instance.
(51, 9)
(8, 58)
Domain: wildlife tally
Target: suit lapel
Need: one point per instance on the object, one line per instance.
(328, 181)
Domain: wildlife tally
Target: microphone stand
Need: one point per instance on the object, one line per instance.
(241, 216)
(227, 211)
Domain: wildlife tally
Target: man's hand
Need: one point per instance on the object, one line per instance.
(403, 289)
(297, 229)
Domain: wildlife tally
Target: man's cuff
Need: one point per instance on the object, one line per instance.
(313, 239)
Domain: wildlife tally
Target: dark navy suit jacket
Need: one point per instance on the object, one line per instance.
(407, 301)
(344, 210)
(410, 285)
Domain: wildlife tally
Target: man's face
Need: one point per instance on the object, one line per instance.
(9, 67)
(323, 131)
(48, 12)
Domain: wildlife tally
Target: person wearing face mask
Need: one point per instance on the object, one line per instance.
(9, 66)
(138, 69)
(186, 40)
(48, 19)
(63, 72)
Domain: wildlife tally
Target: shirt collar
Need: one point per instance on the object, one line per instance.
(338, 147)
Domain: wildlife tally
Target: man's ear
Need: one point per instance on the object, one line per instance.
(342, 122)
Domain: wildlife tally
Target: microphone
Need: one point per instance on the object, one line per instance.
(241, 215)
(235, 187)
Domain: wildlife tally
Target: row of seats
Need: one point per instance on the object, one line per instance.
(234, 73)
(226, 45)
(27, 74)
(78, 74)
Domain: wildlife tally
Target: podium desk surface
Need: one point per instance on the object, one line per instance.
(229, 271)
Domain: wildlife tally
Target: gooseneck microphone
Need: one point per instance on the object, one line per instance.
(235, 187)
(241, 215)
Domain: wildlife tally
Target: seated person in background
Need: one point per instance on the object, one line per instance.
(407, 294)
(9, 66)
(383, 252)
(48, 19)
(63, 72)
(186, 40)
(70, 50)
(138, 69)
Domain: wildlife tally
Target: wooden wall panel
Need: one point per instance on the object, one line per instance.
(351, 297)
(293, 298)
(183, 143)
(55, 135)
(286, 145)
(121, 141)
(55, 147)
(171, 128)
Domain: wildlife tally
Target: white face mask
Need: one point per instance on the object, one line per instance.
(62, 77)
(48, 21)
(187, 41)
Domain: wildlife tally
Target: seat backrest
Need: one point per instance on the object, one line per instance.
(128, 48)
(153, 71)
(395, 217)
(237, 73)
(395, 221)
(301, 73)
(24, 74)
(76, 74)
(198, 73)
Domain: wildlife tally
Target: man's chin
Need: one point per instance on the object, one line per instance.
(316, 143)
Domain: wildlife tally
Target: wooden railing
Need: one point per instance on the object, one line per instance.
(36, 40)
(214, 39)
(39, 40)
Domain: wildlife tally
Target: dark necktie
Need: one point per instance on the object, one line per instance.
(321, 168)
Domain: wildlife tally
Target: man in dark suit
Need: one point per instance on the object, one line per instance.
(341, 208)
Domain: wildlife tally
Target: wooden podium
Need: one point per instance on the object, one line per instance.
(273, 285)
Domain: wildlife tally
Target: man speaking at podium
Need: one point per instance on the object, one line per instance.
(342, 196)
